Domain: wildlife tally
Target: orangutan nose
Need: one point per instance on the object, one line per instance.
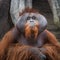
(31, 21)
(32, 24)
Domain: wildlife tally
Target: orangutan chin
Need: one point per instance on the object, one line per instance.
(29, 39)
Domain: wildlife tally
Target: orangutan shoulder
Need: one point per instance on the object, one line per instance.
(50, 34)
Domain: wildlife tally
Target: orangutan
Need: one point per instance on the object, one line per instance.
(29, 39)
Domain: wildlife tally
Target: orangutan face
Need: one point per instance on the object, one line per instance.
(31, 27)
(31, 24)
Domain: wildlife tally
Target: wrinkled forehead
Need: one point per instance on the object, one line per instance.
(30, 14)
(37, 15)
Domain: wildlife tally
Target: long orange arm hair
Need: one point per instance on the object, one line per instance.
(7, 40)
(52, 39)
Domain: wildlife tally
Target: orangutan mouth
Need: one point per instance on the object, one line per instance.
(31, 32)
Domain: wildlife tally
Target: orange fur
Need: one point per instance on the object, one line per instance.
(50, 49)
(20, 52)
(29, 10)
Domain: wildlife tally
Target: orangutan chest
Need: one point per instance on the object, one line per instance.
(40, 42)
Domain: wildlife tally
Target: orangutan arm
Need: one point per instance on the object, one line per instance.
(52, 39)
(8, 38)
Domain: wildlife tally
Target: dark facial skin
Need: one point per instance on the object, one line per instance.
(31, 26)
(32, 19)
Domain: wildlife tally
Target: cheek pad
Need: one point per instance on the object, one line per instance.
(21, 23)
(42, 22)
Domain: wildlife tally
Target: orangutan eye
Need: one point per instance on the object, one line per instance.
(34, 17)
(28, 18)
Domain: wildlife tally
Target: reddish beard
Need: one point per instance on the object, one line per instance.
(31, 32)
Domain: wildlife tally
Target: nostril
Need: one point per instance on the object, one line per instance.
(31, 21)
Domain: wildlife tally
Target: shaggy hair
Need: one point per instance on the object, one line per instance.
(49, 51)
(29, 10)
(22, 52)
